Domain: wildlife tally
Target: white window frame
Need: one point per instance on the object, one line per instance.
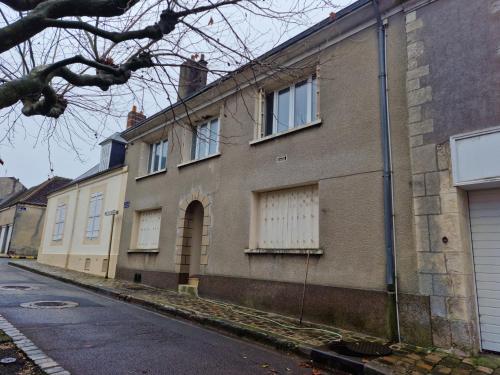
(291, 105)
(94, 216)
(198, 139)
(163, 145)
(61, 210)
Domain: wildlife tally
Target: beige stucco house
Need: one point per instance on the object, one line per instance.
(21, 218)
(277, 173)
(83, 221)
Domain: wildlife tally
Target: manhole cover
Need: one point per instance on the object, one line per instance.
(49, 304)
(17, 287)
(7, 360)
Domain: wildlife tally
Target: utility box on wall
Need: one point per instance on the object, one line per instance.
(476, 159)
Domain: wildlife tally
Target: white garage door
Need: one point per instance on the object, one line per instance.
(485, 227)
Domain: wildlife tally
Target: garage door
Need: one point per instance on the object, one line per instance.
(485, 227)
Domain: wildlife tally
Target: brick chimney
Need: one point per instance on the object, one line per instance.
(134, 117)
(192, 77)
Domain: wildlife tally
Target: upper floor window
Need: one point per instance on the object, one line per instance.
(94, 218)
(205, 140)
(158, 156)
(59, 223)
(291, 107)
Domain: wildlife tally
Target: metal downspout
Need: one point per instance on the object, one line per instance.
(66, 263)
(387, 173)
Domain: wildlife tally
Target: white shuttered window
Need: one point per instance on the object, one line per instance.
(94, 219)
(59, 223)
(149, 229)
(289, 219)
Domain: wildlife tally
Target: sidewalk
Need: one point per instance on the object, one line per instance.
(279, 331)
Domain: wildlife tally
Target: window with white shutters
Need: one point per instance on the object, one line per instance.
(148, 229)
(289, 218)
(94, 219)
(59, 223)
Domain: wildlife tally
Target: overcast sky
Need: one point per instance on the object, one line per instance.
(29, 156)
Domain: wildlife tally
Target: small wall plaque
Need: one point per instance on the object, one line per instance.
(281, 158)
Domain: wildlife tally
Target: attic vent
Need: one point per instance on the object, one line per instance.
(137, 278)
(86, 267)
(104, 265)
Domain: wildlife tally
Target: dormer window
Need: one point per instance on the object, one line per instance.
(158, 156)
(291, 107)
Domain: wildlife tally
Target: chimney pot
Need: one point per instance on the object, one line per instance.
(192, 76)
(134, 117)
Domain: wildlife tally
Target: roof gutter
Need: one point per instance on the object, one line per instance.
(391, 284)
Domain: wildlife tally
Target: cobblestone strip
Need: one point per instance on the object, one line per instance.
(264, 326)
(43, 361)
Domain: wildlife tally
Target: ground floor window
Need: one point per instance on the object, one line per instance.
(148, 229)
(5, 234)
(288, 218)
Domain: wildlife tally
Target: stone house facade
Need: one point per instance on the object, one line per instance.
(453, 82)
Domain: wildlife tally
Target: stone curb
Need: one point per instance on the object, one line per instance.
(43, 361)
(220, 324)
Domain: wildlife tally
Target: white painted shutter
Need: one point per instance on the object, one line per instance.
(2, 237)
(94, 220)
(59, 224)
(97, 214)
(9, 235)
(288, 219)
(485, 230)
(149, 229)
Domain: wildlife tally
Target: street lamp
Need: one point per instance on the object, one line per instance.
(111, 213)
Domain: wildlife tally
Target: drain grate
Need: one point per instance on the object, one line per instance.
(49, 304)
(360, 348)
(17, 287)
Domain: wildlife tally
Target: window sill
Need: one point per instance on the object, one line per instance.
(198, 160)
(284, 251)
(151, 174)
(141, 251)
(289, 131)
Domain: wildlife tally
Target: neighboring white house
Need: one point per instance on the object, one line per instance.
(78, 224)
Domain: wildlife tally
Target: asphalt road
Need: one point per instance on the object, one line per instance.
(104, 336)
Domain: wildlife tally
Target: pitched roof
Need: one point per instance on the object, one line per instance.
(114, 137)
(92, 171)
(37, 195)
(304, 34)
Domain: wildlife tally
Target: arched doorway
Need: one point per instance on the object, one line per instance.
(193, 233)
(193, 240)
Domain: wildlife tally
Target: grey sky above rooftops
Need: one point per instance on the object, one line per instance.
(30, 157)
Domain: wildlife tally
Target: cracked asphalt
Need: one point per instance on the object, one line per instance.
(104, 336)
